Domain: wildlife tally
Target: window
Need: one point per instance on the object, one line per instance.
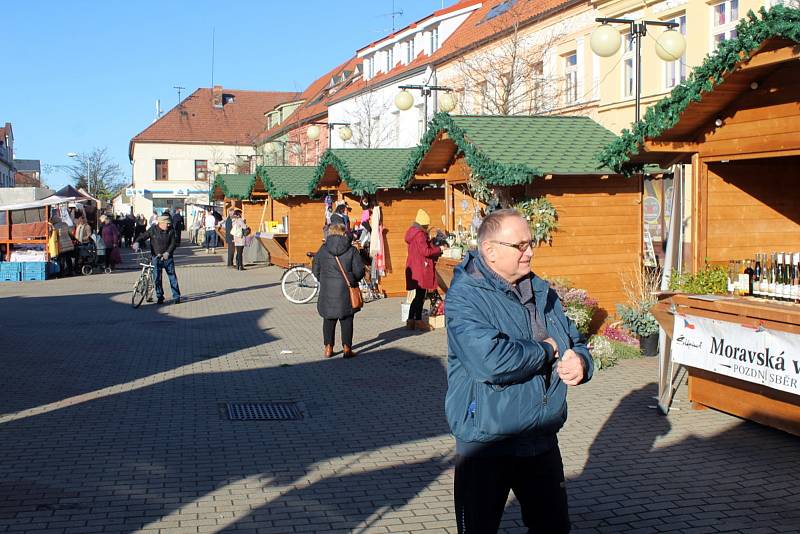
(499, 9)
(628, 67)
(434, 40)
(389, 59)
(675, 71)
(162, 169)
(410, 51)
(723, 21)
(571, 78)
(200, 170)
(370, 66)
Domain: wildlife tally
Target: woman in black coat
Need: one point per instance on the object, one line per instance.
(333, 303)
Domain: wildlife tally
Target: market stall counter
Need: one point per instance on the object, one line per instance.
(741, 354)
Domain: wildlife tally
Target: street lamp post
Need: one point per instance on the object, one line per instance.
(345, 133)
(670, 45)
(74, 155)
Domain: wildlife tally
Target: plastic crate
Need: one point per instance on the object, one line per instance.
(10, 267)
(34, 270)
(10, 276)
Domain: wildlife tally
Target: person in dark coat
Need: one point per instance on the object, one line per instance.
(162, 247)
(333, 303)
(420, 267)
(228, 224)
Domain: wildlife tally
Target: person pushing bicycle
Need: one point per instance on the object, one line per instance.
(162, 246)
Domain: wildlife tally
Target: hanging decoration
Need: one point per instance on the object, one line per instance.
(542, 218)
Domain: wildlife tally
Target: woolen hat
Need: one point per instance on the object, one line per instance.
(422, 219)
(164, 218)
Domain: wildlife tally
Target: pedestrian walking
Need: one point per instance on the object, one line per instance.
(512, 354)
(111, 240)
(211, 232)
(420, 267)
(228, 226)
(338, 267)
(162, 246)
(178, 223)
(238, 232)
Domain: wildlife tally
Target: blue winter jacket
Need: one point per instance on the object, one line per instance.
(497, 386)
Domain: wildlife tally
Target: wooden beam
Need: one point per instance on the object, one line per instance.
(772, 57)
(686, 147)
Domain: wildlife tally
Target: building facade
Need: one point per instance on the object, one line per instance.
(212, 131)
(7, 170)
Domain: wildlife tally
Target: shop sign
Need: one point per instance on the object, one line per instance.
(135, 191)
(759, 355)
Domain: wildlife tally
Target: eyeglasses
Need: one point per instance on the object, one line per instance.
(522, 246)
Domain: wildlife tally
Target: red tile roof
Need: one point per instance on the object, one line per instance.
(315, 97)
(473, 32)
(196, 120)
(25, 180)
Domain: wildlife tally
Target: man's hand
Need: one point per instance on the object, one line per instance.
(570, 368)
(165, 256)
(552, 343)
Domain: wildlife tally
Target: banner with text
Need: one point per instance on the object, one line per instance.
(766, 357)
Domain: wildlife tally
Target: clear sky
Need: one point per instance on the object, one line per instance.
(83, 74)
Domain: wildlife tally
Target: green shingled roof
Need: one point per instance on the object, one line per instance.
(235, 185)
(751, 32)
(286, 181)
(365, 170)
(510, 150)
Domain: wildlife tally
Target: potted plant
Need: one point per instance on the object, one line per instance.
(640, 287)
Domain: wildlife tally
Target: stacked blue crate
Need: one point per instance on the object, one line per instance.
(34, 270)
(10, 271)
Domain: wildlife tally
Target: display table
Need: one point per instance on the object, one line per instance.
(718, 339)
(444, 272)
(277, 246)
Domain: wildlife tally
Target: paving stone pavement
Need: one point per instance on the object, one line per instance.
(111, 420)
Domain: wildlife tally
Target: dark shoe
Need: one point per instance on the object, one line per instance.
(176, 300)
(328, 351)
(160, 300)
(347, 352)
(411, 324)
(149, 299)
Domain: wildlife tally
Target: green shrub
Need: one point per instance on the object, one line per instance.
(713, 280)
(639, 321)
(607, 352)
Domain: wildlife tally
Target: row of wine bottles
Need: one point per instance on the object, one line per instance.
(774, 276)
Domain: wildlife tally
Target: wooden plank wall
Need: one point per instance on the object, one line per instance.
(251, 211)
(599, 235)
(306, 219)
(399, 208)
(464, 208)
(753, 206)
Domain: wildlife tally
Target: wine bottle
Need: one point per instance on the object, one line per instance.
(796, 277)
(788, 276)
(764, 292)
(749, 272)
(757, 277)
(773, 271)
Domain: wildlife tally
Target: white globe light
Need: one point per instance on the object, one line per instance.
(345, 133)
(313, 132)
(605, 41)
(670, 45)
(269, 148)
(447, 102)
(404, 100)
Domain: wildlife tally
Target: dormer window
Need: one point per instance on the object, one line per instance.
(228, 99)
(410, 50)
(389, 59)
(434, 40)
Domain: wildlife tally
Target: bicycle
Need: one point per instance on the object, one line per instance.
(145, 285)
(298, 283)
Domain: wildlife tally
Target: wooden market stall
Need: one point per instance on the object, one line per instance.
(738, 122)
(243, 191)
(292, 222)
(378, 172)
(514, 158)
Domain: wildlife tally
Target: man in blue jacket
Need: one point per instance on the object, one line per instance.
(512, 354)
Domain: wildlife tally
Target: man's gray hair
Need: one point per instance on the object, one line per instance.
(493, 223)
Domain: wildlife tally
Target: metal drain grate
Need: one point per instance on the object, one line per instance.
(263, 411)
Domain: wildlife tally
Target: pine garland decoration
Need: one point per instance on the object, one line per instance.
(219, 181)
(778, 21)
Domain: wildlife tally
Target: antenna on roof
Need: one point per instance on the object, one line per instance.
(179, 89)
(393, 14)
(213, 36)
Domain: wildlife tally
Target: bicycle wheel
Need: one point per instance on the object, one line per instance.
(299, 285)
(139, 292)
(86, 269)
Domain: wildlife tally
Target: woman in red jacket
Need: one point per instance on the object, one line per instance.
(420, 271)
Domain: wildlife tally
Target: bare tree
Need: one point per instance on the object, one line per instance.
(97, 174)
(511, 76)
(369, 121)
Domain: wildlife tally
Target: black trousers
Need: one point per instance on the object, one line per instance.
(239, 250)
(415, 310)
(482, 485)
(231, 249)
(329, 330)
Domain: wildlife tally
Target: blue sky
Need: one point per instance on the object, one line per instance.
(85, 74)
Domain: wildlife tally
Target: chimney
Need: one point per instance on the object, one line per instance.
(216, 96)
